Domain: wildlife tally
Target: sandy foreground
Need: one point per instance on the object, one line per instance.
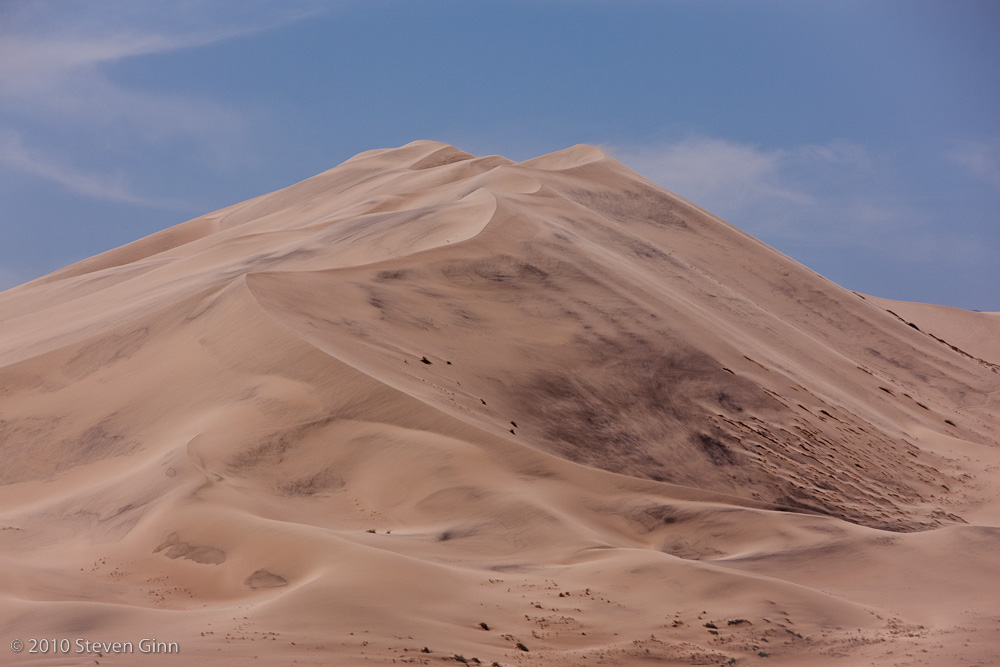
(429, 408)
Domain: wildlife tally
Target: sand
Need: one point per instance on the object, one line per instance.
(432, 408)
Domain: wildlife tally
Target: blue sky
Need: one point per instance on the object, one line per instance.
(861, 138)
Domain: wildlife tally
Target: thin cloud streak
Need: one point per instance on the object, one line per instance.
(61, 72)
(47, 38)
(833, 196)
(54, 61)
(14, 156)
(728, 173)
(979, 159)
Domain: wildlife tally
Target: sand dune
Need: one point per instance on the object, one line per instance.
(430, 407)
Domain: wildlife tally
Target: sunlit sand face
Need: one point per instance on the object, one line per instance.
(430, 406)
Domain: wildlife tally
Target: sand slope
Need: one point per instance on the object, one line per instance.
(427, 407)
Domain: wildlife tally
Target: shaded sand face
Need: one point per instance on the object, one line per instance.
(430, 408)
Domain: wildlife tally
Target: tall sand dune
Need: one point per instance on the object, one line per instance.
(432, 408)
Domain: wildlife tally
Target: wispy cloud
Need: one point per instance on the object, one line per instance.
(55, 64)
(837, 195)
(14, 156)
(725, 174)
(47, 41)
(54, 59)
(980, 159)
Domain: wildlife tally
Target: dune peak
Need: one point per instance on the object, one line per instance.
(568, 158)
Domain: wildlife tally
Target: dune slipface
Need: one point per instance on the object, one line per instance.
(429, 407)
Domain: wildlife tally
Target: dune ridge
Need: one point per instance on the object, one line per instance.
(430, 406)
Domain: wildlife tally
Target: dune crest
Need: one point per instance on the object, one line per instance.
(427, 405)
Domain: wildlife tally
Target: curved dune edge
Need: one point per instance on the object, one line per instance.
(964, 331)
(429, 400)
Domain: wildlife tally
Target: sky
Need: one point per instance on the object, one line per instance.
(861, 138)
